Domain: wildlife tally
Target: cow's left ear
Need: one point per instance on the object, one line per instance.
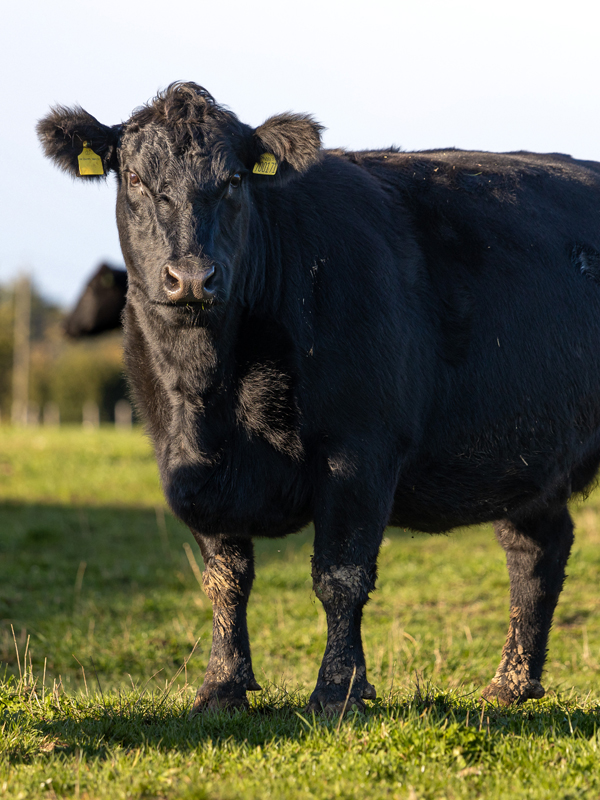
(65, 132)
(288, 143)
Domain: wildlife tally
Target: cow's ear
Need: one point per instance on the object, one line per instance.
(63, 134)
(286, 146)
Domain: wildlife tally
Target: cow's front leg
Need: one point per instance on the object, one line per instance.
(227, 580)
(342, 682)
(536, 555)
(348, 533)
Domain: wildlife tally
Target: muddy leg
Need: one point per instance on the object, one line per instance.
(227, 580)
(343, 590)
(536, 554)
(348, 531)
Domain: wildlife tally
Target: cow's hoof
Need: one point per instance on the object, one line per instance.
(332, 701)
(214, 697)
(507, 693)
(334, 708)
(216, 703)
(369, 692)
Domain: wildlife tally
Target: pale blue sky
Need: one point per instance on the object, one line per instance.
(479, 75)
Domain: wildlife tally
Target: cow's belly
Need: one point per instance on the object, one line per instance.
(472, 488)
(507, 436)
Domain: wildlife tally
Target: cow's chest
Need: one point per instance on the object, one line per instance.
(232, 461)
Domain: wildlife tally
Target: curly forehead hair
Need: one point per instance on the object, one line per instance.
(187, 109)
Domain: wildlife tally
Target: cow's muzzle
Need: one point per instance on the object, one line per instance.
(187, 281)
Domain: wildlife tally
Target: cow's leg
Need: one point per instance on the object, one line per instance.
(536, 554)
(227, 580)
(348, 533)
(343, 590)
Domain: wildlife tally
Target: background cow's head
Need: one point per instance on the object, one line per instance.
(101, 304)
(186, 171)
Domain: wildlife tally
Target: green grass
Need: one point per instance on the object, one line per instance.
(100, 610)
(71, 466)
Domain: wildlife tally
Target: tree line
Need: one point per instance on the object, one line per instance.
(63, 374)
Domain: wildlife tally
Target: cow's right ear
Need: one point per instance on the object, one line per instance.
(63, 134)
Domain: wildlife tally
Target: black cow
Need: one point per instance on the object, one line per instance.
(101, 303)
(358, 339)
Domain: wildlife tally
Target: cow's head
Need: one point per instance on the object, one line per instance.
(186, 172)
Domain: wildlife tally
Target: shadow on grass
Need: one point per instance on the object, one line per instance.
(61, 531)
(116, 590)
(96, 729)
(52, 555)
(56, 560)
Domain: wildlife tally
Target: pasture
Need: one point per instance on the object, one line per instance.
(105, 633)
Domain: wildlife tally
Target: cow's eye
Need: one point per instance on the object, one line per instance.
(235, 180)
(134, 179)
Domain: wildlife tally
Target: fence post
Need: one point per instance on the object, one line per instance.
(91, 415)
(22, 329)
(51, 414)
(123, 414)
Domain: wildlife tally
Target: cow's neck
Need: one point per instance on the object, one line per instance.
(190, 360)
(177, 375)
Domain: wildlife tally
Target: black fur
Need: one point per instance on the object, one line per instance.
(294, 140)
(63, 132)
(101, 303)
(372, 338)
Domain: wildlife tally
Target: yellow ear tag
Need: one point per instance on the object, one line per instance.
(90, 163)
(266, 165)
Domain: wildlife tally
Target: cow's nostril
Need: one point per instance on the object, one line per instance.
(208, 284)
(172, 281)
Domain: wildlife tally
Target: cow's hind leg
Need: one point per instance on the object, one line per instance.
(536, 554)
(227, 580)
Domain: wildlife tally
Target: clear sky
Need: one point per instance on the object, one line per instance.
(482, 75)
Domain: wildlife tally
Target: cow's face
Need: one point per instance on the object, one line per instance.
(182, 212)
(184, 168)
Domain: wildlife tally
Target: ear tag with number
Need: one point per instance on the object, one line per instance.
(90, 163)
(266, 165)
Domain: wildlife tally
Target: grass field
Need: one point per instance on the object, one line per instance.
(105, 633)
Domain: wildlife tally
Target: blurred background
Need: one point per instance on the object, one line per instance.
(492, 76)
